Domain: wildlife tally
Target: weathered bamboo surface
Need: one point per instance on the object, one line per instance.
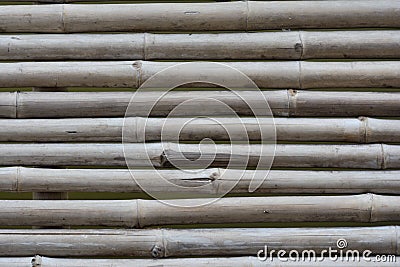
(140, 213)
(242, 16)
(288, 103)
(162, 243)
(374, 156)
(363, 130)
(49, 195)
(249, 261)
(234, 46)
(206, 182)
(281, 74)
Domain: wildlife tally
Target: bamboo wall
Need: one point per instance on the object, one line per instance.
(330, 71)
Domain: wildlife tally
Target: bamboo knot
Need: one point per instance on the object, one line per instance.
(157, 251)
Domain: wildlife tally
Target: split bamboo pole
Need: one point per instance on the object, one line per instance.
(39, 261)
(287, 103)
(280, 74)
(233, 46)
(236, 16)
(162, 243)
(374, 156)
(210, 182)
(362, 130)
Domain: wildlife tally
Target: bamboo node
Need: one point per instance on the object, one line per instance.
(36, 261)
(157, 251)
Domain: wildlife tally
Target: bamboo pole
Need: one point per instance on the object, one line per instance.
(242, 16)
(39, 261)
(209, 182)
(143, 213)
(233, 46)
(363, 130)
(374, 156)
(287, 103)
(140, 213)
(283, 74)
(162, 243)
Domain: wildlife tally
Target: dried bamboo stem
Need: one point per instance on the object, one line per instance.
(375, 156)
(234, 46)
(281, 74)
(363, 130)
(195, 242)
(288, 103)
(140, 213)
(207, 182)
(249, 15)
(194, 262)
(143, 213)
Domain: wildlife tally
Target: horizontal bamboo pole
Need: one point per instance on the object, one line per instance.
(211, 182)
(287, 103)
(375, 156)
(39, 261)
(363, 130)
(140, 213)
(280, 74)
(234, 46)
(242, 16)
(162, 243)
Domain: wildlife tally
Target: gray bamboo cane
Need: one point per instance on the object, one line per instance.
(114, 104)
(195, 242)
(39, 261)
(363, 130)
(283, 74)
(249, 15)
(375, 156)
(140, 213)
(207, 182)
(234, 46)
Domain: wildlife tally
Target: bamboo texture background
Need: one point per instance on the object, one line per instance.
(330, 71)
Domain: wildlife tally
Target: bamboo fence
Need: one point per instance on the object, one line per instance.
(293, 45)
(287, 103)
(48, 129)
(211, 182)
(140, 213)
(373, 156)
(283, 74)
(162, 243)
(242, 16)
(363, 130)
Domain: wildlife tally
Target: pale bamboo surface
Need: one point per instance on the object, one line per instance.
(57, 195)
(233, 46)
(39, 261)
(210, 182)
(363, 130)
(194, 242)
(280, 74)
(373, 156)
(140, 213)
(242, 16)
(287, 103)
